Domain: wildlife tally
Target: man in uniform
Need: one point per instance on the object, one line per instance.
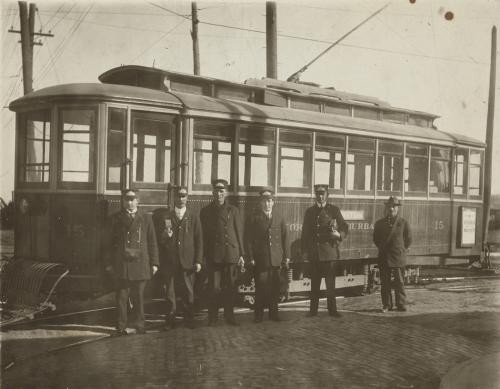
(322, 231)
(223, 251)
(267, 247)
(132, 259)
(392, 236)
(180, 243)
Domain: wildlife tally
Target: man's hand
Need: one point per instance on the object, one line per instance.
(154, 269)
(241, 262)
(110, 269)
(286, 261)
(304, 257)
(197, 267)
(251, 263)
(335, 234)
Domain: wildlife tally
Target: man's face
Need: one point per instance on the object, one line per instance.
(219, 195)
(180, 202)
(130, 203)
(267, 204)
(392, 210)
(321, 197)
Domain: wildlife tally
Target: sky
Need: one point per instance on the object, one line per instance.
(411, 54)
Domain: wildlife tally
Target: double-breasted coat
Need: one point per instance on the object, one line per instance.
(222, 234)
(185, 246)
(138, 233)
(315, 238)
(392, 241)
(267, 240)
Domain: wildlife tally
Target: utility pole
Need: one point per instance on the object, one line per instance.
(194, 35)
(489, 138)
(27, 42)
(271, 40)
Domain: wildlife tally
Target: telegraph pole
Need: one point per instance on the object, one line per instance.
(271, 40)
(489, 137)
(27, 42)
(194, 35)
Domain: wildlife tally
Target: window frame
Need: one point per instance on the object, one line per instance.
(382, 192)
(373, 153)
(22, 146)
(332, 149)
(481, 175)
(446, 195)
(308, 161)
(465, 184)
(423, 194)
(72, 185)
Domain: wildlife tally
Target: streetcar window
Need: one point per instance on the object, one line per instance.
(256, 157)
(78, 146)
(295, 160)
(415, 166)
(152, 147)
(213, 144)
(34, 147)
(460, 172)
(360, 164)
(390, 166)
(439, 180)
(117, 119)
(329, 162)
(475, 174)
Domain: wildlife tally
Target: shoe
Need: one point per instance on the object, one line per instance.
(140, 331)
(335, 314)
(310, 314)
(386, 308)
(212, 323)
(258, 319)
(276, 319)
(118, 333)
(190, 324)
(401, 308)
(232, 322)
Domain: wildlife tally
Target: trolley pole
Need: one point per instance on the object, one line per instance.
(194, 35)
(26, 48)
(489, 139)
(271, 40)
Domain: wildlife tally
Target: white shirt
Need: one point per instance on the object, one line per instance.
(180, 212)
(321, 205)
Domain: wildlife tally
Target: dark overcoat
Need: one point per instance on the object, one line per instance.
(267, 241)
(123, 232)
(185, 246)
(392, 242)
(315, 239)
(222, 234)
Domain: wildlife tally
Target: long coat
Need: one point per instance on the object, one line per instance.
(392, 242)
(267, 241)
(185, 246)
(315, 239)
(222, 234)
(136, 234)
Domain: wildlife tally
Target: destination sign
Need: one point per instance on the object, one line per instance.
(352, 215)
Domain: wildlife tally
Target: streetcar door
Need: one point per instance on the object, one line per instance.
(152, 154)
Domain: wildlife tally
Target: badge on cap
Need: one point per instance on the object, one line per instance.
(320, 188)
(220, 184)
(266, 194)
(181, 191)
(130, 192)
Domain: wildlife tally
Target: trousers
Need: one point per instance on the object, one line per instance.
(134, 289)
(221, 279)
(399, 286)
(328, 270)
(267, 288)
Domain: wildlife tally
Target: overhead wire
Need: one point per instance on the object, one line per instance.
(48, 47)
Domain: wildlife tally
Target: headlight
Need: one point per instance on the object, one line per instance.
(24, 206)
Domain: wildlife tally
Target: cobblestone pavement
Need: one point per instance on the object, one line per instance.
(358, 351)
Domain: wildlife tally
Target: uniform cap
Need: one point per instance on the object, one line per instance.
(131, 192)
(393, 200)
(320, 188)
(266, 194)
(220, 184)
(180, 191)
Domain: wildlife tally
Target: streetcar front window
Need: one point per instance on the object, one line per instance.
(212, 153)
(295, 161)
(439, 180)
(360, 164)
(390, 166)
(34, 148)
(416, 165)
(78, 147)
(460, 172)
(117, 127)
(329, 161)
(475, 172)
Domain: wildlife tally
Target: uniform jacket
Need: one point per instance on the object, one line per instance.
(222, 234)
(185, 246)
(123, 232)
(315, 239)
(392, 242)
(267, 241)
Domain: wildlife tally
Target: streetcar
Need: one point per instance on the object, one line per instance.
(78, 145)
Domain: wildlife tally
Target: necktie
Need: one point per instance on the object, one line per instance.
(131, 215)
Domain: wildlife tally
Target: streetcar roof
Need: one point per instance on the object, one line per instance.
(239, 110)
